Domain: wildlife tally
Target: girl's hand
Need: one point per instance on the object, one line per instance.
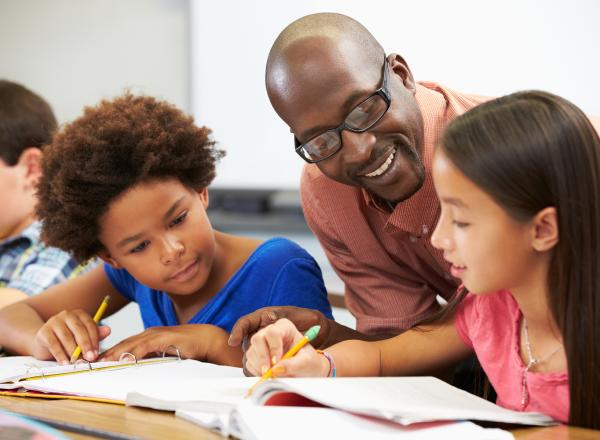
(64, 331)
(271, 343)
(203, 342)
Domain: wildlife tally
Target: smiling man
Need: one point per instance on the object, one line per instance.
(368, 132)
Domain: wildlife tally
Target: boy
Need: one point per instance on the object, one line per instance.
(27, 266)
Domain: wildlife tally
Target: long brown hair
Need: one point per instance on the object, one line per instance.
(528, 151)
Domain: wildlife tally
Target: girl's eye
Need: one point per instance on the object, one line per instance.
(140, 247)
(460, 224)
(179, 219)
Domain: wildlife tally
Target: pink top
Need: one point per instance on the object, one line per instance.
(490, 323)
(389, 267)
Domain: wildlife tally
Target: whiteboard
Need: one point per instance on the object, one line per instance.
(483, 47)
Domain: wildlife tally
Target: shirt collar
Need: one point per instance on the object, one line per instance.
(418, 214)
(31, 234)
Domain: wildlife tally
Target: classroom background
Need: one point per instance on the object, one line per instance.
(208, 59)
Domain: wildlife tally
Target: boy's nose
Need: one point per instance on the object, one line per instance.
(172, 251)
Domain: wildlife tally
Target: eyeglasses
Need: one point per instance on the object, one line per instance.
(363, 117)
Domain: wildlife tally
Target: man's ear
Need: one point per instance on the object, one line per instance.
(545, 229)
(203, 194)
(105, 256)
(400, 67)
(31, 160)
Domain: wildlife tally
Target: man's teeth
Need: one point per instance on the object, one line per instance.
(384, 166)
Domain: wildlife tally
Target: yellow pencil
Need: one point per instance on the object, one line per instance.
(310, 334)
(97, 317)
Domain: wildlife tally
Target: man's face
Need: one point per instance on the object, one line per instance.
(315, 93)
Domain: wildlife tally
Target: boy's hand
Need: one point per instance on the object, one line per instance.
(203, 342)
(271, 343)
(59, 336)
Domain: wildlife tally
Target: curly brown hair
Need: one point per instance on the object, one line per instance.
(113, 147)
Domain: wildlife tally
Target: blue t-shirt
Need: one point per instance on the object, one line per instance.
(278, 273)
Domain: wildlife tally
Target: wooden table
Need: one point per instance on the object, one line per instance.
(149, 424)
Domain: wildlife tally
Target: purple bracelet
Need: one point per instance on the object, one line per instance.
(332, 372)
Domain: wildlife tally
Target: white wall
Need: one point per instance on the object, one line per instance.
(485, 47)
(75, 52)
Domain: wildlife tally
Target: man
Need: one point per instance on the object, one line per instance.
(27, 266)
(368, 131)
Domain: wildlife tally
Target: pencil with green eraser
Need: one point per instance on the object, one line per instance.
(97, 317)
(310, 335)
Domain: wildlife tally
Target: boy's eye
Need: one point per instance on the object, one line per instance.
(460, 224)
(179, 219)
(140, 247)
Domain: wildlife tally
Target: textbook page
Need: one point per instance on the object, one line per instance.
(114, 384)
(301, 423)
(403, 399)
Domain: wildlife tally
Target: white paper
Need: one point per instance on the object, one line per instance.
(301, 423)
(403, 399)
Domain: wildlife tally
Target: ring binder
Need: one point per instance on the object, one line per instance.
(125, 354)
(90, 368)
(26, 375)
(164, 353)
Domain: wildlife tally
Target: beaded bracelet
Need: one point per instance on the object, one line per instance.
(332, 372)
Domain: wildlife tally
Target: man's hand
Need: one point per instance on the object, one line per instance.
(303, 319)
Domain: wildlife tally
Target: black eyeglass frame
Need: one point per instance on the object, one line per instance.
(383, 92)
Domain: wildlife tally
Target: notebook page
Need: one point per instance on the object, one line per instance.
(115, 383)
(403, 399)
(301, 423)
(219, 395)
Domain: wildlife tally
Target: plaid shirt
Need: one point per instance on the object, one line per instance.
(30, 266)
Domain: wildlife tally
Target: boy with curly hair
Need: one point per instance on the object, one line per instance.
(27, 265)
(127, 182)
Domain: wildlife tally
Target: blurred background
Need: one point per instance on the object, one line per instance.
(208, 59)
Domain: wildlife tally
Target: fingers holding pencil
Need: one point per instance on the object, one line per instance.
(276, 346)
(71, 333)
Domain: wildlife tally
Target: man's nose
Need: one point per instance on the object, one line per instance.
(357, 148)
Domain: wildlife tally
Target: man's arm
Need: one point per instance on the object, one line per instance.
(331, 332)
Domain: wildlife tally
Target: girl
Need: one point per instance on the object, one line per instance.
(518, 179)
(127, 182)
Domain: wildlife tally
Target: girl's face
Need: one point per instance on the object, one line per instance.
(159, 232)
(487, 248)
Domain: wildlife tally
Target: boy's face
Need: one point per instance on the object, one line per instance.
(17, 193)
(159, 232)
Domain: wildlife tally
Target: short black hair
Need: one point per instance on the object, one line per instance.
(26, 120)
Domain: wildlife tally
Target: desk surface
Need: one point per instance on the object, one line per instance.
(149, 424)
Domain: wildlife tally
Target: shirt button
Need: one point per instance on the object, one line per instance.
(425, 229)
(412, 239)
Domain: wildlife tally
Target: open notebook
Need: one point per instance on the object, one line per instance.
(403, 400)
(102, 381)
